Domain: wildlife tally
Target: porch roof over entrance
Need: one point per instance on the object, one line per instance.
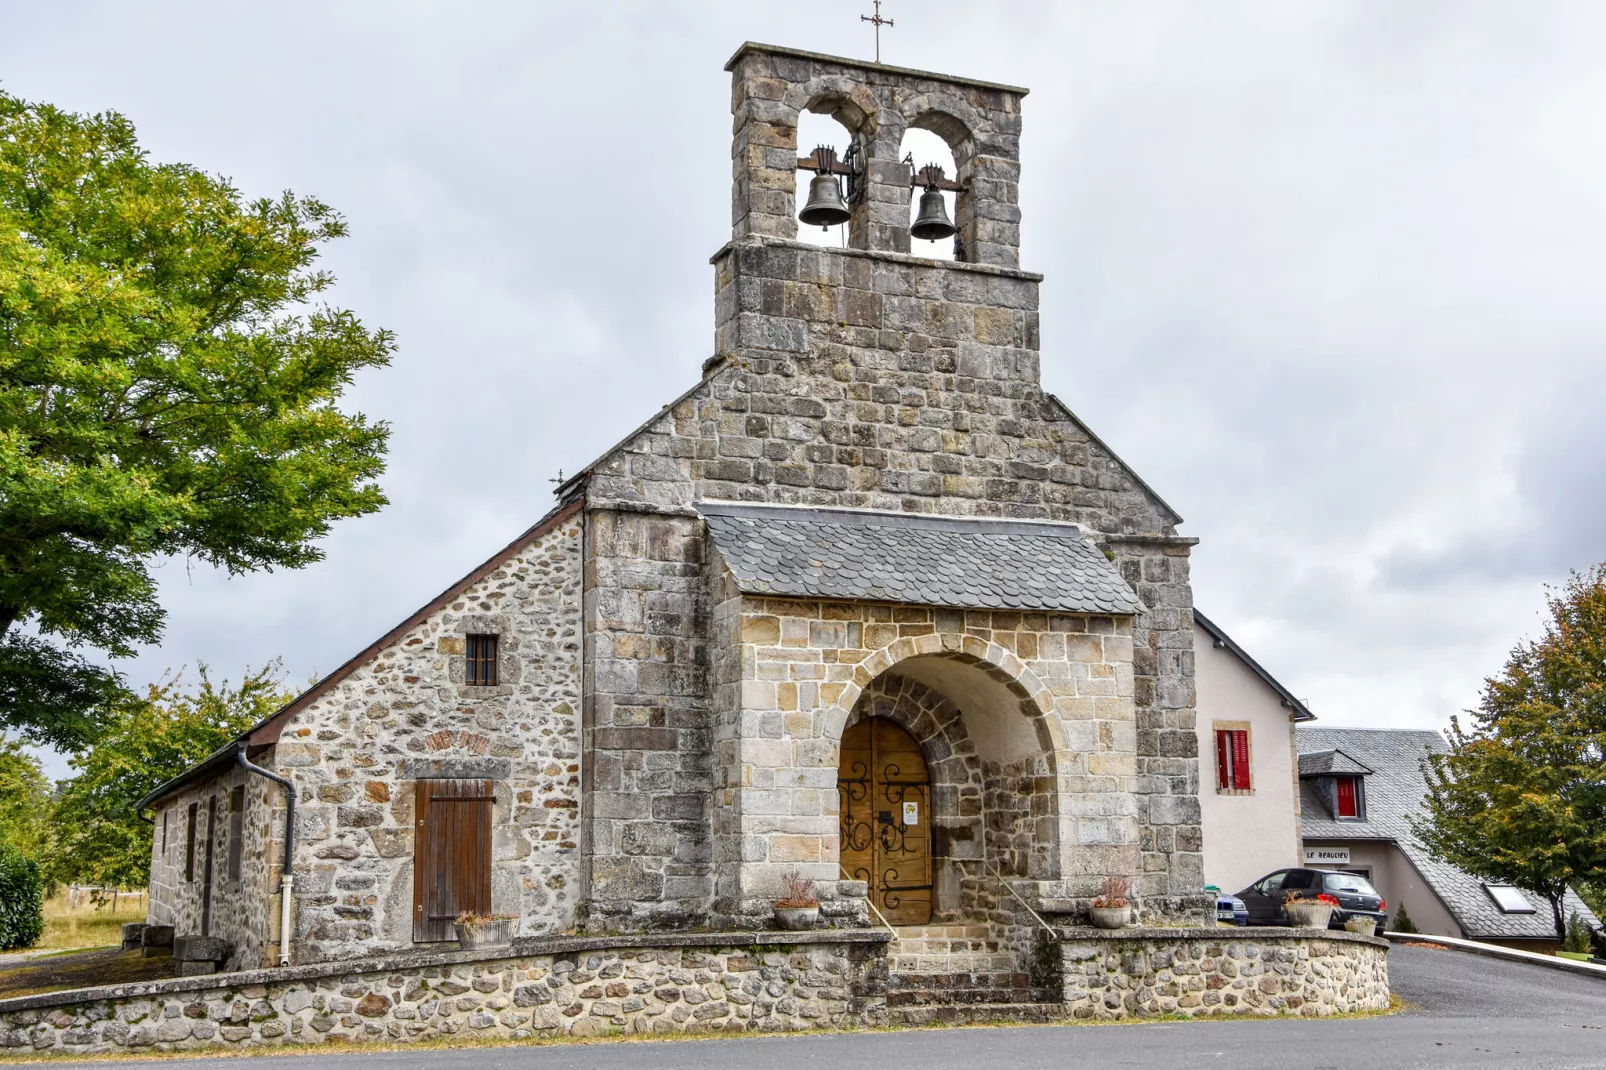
(963, 562)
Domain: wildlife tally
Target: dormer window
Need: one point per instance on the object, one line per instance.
(1349, 797)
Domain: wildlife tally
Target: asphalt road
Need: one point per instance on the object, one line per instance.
(1466, 1011)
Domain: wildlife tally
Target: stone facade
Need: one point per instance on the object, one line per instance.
(241, 898)
(861, 378)
(663, 746)
(358, 751)
(1264, 972)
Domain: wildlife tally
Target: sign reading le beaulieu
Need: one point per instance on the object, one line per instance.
(1327, 856)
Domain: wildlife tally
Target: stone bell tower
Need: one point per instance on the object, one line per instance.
(866, 379)
(878, 105)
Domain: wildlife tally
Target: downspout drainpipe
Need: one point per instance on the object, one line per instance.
(287, 881)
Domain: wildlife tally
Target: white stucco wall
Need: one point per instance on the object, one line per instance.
(1397, 881)
(1246, 836)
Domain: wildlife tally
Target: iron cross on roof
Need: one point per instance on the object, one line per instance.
(878, 22)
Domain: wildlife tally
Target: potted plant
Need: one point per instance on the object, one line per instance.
(799, 908)
(475, 932)
(1306, 913)
(1112, 909)
(1363, 926)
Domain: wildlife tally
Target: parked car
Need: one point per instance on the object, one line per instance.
(1231, 909)
(1355, 894)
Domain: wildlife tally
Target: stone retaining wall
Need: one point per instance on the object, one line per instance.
(689, 983)
(1192, 972)
(574, 986)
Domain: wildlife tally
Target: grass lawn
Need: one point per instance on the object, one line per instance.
(88, 925)
(51, 973)
(1578, 956)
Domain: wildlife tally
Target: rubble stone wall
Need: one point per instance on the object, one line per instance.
(241, 905)
(693, 983)
(695, 986)
(1144, 973)
(357, 753)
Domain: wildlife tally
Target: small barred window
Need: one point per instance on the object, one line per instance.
(481, 670)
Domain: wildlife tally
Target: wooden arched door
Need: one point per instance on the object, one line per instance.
(885, 795)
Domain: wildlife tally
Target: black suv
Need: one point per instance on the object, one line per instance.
(1355, 894)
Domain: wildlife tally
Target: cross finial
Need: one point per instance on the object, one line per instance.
(878, 22)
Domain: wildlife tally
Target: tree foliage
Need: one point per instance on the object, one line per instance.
(22, 899)
(1521, 796)
(101, 837)
(26, 801)
(168, 386)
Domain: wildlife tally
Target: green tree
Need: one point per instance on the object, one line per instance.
(26, 801)
(1521, 796)
(100, 837)
(168, 386)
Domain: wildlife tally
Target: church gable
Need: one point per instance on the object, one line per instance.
(481, 692)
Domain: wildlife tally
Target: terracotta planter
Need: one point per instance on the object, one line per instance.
(486, 934)
(1110, 917)
(1363, 926)
(1309, 915)
(793, 919)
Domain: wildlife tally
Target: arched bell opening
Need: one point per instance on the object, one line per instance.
(824, 200)
(986, 812)
(933, 208)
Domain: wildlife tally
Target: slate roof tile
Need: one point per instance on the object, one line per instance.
(1394, 792)
(962, 562)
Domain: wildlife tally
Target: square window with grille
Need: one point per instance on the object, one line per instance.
(481, 668)
(1232, 759)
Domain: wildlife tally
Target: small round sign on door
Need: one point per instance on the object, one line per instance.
(911, 814)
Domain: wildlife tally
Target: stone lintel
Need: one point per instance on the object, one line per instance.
(455, 769)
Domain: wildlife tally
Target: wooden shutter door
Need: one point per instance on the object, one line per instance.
(1240, 760)
(1223, 759)
(451, 855)
(1346, 797)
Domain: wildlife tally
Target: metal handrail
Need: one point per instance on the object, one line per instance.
(1011, 888)
(868, 901)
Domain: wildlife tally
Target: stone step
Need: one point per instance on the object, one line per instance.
(973, 1013)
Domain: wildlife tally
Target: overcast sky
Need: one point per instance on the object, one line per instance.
(1331, 277)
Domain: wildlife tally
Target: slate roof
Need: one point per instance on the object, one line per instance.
(1331, 763)
(1394, 791)
(967, 563)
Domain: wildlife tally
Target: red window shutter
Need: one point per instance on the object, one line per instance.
(1346, 797)
(1240, 760)
(451, 855)
(1223, 759)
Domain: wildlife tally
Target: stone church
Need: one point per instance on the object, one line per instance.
(865, 604)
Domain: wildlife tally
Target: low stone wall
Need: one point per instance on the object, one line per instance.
(1198, 972)
(569, 985)
(696, 982)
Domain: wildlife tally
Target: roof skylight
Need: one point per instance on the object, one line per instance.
(1510, 900)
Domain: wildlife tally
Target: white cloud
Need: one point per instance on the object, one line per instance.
(1328, 275)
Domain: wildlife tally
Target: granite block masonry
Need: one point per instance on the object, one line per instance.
(661, 742)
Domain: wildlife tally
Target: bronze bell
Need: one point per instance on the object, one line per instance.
(932, 224)
(826, 207)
